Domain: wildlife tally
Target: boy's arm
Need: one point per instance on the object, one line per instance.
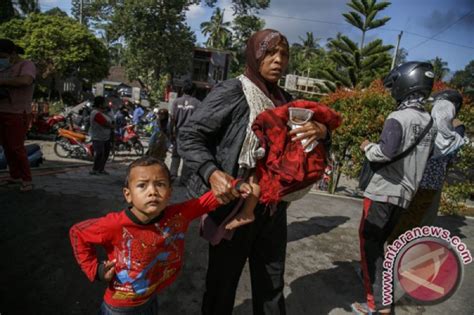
(208, 202)
(84, 236)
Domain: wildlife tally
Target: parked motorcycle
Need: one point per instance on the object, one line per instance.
(70, 144)
(128, 141)
(43, 125)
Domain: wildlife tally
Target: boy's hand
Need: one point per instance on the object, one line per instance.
(109, 269)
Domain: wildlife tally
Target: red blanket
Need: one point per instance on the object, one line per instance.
(286, 168)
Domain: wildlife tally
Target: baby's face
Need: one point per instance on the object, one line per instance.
(149, 191)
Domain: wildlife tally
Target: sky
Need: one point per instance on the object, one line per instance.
(432, 28)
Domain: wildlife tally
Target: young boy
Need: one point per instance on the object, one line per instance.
(144, 243)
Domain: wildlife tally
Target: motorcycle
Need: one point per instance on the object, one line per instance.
(126, 142)
(70, 144)
(43, 125)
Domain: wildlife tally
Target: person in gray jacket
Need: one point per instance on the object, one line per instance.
(393, 186)
(449, 139)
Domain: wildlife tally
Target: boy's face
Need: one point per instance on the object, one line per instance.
(148, 191)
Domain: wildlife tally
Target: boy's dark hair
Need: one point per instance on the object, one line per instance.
(146, 161)
(99, 101)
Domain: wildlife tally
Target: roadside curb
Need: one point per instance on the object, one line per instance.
(325, 194)
(57, 169)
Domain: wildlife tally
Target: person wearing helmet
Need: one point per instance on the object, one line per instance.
(407, 139)
(449, 139)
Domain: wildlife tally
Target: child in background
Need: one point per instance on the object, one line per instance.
(144, 243)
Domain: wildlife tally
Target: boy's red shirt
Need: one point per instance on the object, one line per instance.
(149, 256)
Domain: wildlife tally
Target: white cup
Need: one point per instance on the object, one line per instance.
(297, 118)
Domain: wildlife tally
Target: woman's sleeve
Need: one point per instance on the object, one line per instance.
(199, 136)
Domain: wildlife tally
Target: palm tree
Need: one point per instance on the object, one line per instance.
(367, 9)
(218, 30)
(309, 46)
(440, 68)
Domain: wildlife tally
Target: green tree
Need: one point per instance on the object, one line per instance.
(248, 7)
(10, 9)
(440, 68)
(243, 26)
(56, 11)
(358, 65)
(219, 32)
(59, 46)
(401, 56)
(464, 79)
(367, 9)
(309, 46)
(25, 7)
(86, 10)
(7, 12)
(157, 42)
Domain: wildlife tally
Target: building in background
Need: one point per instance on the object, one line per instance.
(209, 67)
(304, 85)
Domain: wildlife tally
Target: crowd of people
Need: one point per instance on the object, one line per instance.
(242, 166)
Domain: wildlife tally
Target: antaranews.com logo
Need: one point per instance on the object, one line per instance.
(427, 263)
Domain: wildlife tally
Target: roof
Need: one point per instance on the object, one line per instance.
(118, 74)
(212, 50)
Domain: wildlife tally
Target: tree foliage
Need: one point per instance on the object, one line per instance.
(156, 39)
(464, 79)
(363, 112)
(220, 36)
(14, 9)
(243, 26)
(363, 16)
(358, 65)
(59, 46)
(440, 68)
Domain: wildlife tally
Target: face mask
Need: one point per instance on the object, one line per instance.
(4, 63)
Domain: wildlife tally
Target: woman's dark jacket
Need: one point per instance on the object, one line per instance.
(212, 138)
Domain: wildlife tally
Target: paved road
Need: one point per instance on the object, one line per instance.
(39, 275)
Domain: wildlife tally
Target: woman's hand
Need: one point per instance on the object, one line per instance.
(312, 131)
(221, 186)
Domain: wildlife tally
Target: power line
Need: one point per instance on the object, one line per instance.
(380, 28)
(443, 30)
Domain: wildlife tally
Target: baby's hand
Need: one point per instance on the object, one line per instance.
(109, 269)
(244, 189)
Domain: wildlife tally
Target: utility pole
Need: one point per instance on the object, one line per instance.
(80, 11)
(395, 55)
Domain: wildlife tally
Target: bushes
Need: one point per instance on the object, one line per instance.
(363, 112)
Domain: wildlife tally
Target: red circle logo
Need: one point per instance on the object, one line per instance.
(429, 270)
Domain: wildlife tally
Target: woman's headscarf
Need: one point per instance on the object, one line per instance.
(257, 47)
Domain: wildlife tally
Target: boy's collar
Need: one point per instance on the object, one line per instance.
(133, 217)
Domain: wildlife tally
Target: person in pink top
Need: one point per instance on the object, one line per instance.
(17, 76)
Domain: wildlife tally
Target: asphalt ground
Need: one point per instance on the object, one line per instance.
(40, 275)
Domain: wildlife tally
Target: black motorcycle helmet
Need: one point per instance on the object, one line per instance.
(450, 95)
(409, 78)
